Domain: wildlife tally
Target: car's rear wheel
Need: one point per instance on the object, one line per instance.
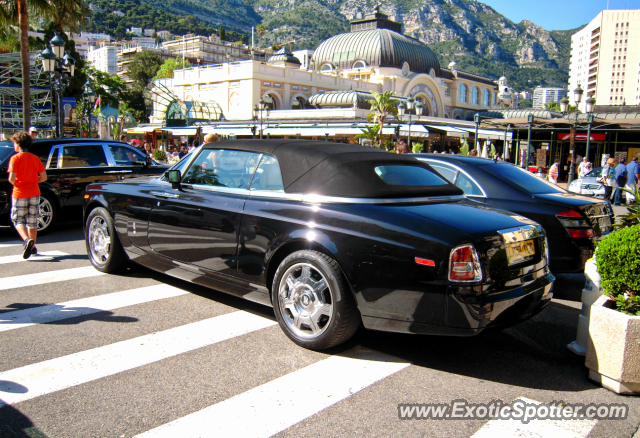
(47, 213)
(103, 245)
(312, 301)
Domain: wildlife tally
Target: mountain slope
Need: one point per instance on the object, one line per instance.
(478, 38)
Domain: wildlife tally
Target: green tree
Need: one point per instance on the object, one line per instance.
(261, 30)
(110, 88)
(370, 133)
(222, 33)
(382, 106)
(144, 67)
(167, 68)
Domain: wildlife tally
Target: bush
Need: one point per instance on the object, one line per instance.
(618, 261)
(633, 210)
(159, 155)
(417, 147)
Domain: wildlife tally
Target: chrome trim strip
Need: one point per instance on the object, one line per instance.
(519, 234)
(317, 199)
(484, 194)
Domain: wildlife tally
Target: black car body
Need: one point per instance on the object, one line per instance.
(71, 164)
(572, 223)
(404, 245)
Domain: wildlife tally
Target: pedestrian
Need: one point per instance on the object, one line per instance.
(436, 152)
(183, 152)
(211, 138)
(576, 167)
(473, 153)
(633, 176)
(621, 180)
(402, 147)
(451, 152)
(194, 145)
(553, 172)
(585, 169)
(25, 173)
(147, 149)
(123, 138)
(608, 177)
(33, 132)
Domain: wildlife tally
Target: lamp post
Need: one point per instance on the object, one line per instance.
(89, 98)
(476, 120)
(577, 97)
(409, 106)
(60, 67)
(590, 103)
(257, 113)
(530, 119)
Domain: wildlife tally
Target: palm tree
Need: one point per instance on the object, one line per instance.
(382, 106)
(16, 12)
(370, 133)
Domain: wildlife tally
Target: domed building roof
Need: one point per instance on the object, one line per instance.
(283, 55)
(376, 41)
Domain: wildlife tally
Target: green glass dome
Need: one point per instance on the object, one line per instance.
(377, 48)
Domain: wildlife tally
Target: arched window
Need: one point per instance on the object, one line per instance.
(359, 64)
(485, 97)
(327, 67)
(474, 95)
(462, 93)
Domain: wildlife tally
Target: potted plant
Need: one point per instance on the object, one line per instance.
(160, 156)
(613, 349)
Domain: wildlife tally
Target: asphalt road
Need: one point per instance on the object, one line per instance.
(173, 359)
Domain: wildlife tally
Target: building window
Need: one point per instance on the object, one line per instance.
(485, 97)
(359, 64)
(462, 93)
(474, 95)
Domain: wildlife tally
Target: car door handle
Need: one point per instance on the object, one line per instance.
(164, 195)
(118, 171)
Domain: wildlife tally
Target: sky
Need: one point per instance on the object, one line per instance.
(557, 14)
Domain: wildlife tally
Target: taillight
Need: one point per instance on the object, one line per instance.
(581, 232)
(464, 264)
(576, 225)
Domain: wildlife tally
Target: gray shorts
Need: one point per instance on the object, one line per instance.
(25, 211)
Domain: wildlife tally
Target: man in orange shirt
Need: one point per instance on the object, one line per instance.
(25, 173)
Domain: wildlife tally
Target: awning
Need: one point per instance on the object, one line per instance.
(140, 129)
(488, 134)
(229, 130)
(450, 131)
(416, 130)
(181, 131)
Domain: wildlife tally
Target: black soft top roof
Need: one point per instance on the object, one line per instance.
(337, 169)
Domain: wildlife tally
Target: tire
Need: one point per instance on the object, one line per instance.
(103, 245)
(47, 213)
(312, 301)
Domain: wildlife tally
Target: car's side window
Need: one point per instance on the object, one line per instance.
(468, 186)
(83, 156)
(446, 171)
(53, 159)
(222, 168)
(126, 156)
(268, 176)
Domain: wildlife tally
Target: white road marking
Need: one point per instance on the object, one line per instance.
(11, 244)
(497, 428)
(78, 368)
(48, 277)
(85, 306)
(47, 255)
(275, 406)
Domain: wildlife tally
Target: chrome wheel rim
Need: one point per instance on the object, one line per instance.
(305, 301)
(99, 240)
(45, 213)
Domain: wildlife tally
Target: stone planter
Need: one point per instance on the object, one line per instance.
(613, 350)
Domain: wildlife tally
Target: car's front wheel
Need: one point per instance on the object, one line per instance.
(312, 301)
(103, 245)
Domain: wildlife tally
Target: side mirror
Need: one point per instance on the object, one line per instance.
(174, 178)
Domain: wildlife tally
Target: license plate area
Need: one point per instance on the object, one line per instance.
(520, 252)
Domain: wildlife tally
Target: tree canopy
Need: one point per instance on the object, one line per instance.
(144, 67)
(167, 68)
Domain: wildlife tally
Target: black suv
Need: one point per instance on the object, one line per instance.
(71, 164)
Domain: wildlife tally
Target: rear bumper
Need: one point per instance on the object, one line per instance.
(469, 314)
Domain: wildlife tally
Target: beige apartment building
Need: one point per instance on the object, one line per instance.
(605, 58)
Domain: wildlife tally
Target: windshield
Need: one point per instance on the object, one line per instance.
(521, 178)
(595, 173)
(5, 153)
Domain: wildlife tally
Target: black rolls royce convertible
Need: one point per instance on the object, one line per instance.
(333, 236)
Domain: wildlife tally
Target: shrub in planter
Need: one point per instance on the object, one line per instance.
(159, 155)
(618, 260)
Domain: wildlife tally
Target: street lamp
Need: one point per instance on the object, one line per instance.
(577, 97)
(258, 111)
(589, 103)
(530, 120)
(89, 97)
(60, 68)
(564, 104)
(409, 106)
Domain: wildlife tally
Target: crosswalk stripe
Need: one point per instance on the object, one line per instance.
(48, 277)
(275, 406)
(85, 306)
(48, 255)
(11, 244)
(78, 368)
(498, 428)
